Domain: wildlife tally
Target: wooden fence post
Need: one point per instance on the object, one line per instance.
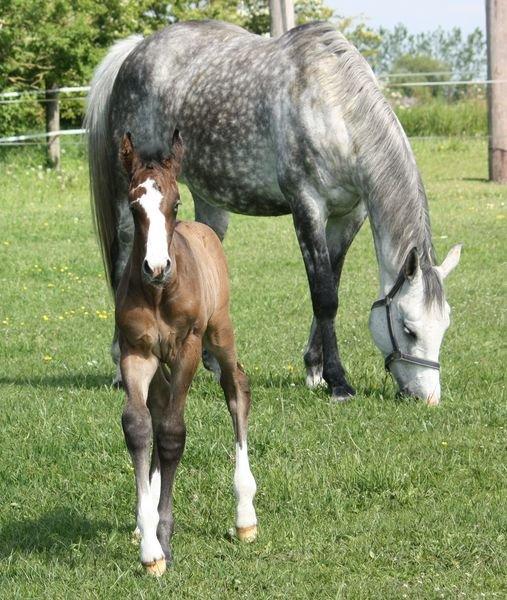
(496, 26)
(282, 16)
(53, 124)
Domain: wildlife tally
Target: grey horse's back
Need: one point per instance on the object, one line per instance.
(240, 101)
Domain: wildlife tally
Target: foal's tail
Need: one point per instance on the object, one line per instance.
(102, 162)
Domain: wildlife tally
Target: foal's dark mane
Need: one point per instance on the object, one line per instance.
(152, 153)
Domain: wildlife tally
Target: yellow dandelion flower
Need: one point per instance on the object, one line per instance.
(47, 358)
(45, 318)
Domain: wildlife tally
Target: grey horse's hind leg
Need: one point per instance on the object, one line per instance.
(123, 245)
(340, 232)
(218, 220)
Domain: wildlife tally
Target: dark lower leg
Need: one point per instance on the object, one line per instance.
(137, 427)
(170, 445)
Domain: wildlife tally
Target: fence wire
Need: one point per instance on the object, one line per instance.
(18, 97)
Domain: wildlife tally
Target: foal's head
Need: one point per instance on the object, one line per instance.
(154, 200)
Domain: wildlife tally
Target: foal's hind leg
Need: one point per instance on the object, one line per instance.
(234, 382)
(218, 219)
(340, 232)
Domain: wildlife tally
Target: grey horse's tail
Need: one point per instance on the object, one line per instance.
(101, 158)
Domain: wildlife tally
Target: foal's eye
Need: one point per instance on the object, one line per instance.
(409, 332)
(176, 206)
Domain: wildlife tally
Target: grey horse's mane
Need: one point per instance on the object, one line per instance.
(390, 179)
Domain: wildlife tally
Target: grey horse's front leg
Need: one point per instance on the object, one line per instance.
(218, 219)
(340, 232)
(310, 228)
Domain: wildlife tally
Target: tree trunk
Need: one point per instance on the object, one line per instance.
(53, 124)
(282, 16)
(496, 25)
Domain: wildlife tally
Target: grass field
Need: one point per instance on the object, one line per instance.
(375, 498)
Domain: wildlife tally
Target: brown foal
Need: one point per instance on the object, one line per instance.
(173, 298)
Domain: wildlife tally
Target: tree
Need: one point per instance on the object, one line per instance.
(464, 55)
(364, 38)
(421, 68)
(49, 43)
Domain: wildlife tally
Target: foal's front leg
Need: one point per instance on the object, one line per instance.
(137, 372)
(170, 430)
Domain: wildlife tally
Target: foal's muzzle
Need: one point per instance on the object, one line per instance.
(158, 275)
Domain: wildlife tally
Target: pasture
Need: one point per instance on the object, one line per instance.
(375, 498)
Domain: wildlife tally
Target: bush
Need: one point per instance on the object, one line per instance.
(467, 117)
(21, 117)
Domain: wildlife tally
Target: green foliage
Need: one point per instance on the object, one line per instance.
(45, 42)
(426, 69)
(437, 117)
(464, 55)
(372, 499)
(16, 117)
(367, 40)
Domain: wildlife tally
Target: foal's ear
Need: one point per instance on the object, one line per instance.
(450, 262)
(174, 160)
(127, 153)
(411, 266)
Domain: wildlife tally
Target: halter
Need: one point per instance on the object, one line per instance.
(397, 354)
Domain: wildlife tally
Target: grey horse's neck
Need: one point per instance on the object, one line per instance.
(397, 207)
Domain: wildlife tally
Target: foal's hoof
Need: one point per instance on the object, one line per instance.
(342, 393)
(155, 568)
(246, 534)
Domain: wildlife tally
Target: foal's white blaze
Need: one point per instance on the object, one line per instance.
(157, 253)
(147, 522)
(244, 488)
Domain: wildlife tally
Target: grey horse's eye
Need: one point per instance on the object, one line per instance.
(409, 332)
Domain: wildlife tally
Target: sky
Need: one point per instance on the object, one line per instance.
(417, 15)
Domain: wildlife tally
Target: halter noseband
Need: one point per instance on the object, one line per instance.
(397, 354)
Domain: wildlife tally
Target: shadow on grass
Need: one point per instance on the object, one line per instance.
(79, 381)
(57, 531)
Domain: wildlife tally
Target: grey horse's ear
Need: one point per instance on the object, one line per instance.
(127, 153)
(450, 262)
(411, 266)
(175, 159)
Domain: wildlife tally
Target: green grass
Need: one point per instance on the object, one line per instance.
(440, 118)
(371, 499)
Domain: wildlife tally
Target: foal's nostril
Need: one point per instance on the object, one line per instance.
(146, 268)
(167, 267)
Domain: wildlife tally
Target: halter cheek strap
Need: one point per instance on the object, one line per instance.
(397, 354)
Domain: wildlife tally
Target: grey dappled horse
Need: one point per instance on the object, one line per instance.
(296, 125)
